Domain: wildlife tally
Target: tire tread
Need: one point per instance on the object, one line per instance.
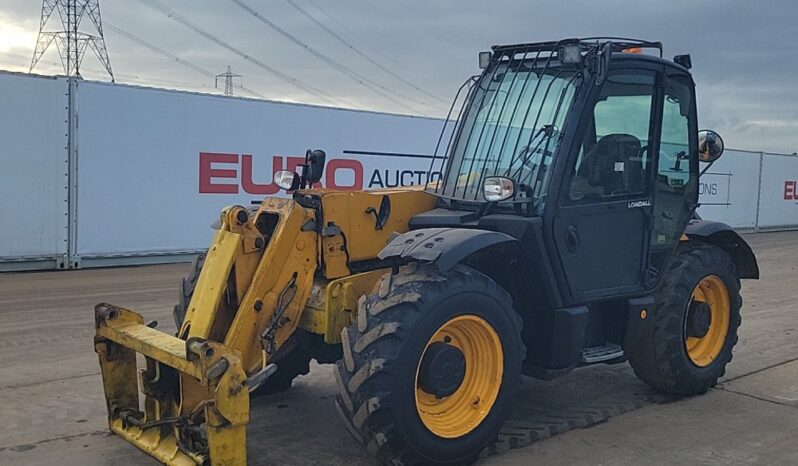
(659, 358)
(364, 388)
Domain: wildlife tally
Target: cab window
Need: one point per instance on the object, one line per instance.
(677, 179)
(613, 160)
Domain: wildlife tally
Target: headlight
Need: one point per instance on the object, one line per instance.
(286, 179)
(497, 188)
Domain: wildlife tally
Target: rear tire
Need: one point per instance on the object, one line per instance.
(662, 358)
(381, 399)
(293, 364)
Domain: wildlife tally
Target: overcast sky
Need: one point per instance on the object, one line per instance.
(744, 52)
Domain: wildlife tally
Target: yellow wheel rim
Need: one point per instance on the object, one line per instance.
(461, 412)
(712, 291)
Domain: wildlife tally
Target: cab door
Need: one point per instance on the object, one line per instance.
(676, 181)
(601, 228)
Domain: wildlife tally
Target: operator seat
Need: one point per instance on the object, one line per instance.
(615, 165)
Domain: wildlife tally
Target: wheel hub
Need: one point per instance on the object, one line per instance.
(699, 319)
(459, 376)
(442, 370)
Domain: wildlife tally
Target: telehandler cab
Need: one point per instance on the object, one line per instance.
(562, 233)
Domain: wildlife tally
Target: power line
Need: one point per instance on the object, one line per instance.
(51, 66)
(139, 79)
(23, 62)
(24, 57)
(358, 37)
(170, 56)
(169, 13)
(157, 49)
(357, 77)
(359, 52)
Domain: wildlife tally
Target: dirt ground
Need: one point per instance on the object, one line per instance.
(52, 409)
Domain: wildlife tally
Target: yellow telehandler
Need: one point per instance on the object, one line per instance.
(562, 233)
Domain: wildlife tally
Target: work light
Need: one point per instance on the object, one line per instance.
(570, 53)
(286, 179)
(497, 188)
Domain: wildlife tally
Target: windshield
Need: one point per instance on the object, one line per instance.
(511, 126)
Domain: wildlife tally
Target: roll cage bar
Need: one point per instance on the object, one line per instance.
(543, 57)
(617, 44)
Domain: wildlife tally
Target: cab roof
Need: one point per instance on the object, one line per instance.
(620, 47)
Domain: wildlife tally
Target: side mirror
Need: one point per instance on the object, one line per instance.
(315, 160)
(710, 146)
(484, 59)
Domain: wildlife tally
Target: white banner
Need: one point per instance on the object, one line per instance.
(778, 204)
(152, 168)
(33, 169)
(728, 189)
(157, 166)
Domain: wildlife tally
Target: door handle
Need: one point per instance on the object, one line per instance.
(572, 239)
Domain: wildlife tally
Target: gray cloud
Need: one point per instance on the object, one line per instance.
(743, 52)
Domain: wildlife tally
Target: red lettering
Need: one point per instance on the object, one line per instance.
(251, 187)
(207, 173)
(791, 190)
(246, 177)
(344, 164)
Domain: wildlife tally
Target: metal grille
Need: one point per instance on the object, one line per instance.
(508, 120)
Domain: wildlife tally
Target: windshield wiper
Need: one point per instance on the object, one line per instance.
(548, 131)
(522, 152)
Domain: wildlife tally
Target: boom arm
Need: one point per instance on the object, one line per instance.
(289, 264)
(263, 305)
(250, 295)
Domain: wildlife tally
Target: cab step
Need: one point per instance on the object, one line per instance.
(601, 353)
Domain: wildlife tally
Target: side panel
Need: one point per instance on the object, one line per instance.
(728, 190)
(34, 162)
(350, 212)
(778, 203)
(157, 167)
(601, 249)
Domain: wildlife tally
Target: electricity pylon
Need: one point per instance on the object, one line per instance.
(70, 42)
(228, 80)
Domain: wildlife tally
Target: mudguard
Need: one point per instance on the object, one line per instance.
(443, 246)
(724, 236)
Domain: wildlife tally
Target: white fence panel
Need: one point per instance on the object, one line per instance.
(778, 202)
(156, 167)
(151, 169)
(728, 190)
(33, 171)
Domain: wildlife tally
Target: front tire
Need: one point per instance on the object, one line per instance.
(693, 328)
(431, 367)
